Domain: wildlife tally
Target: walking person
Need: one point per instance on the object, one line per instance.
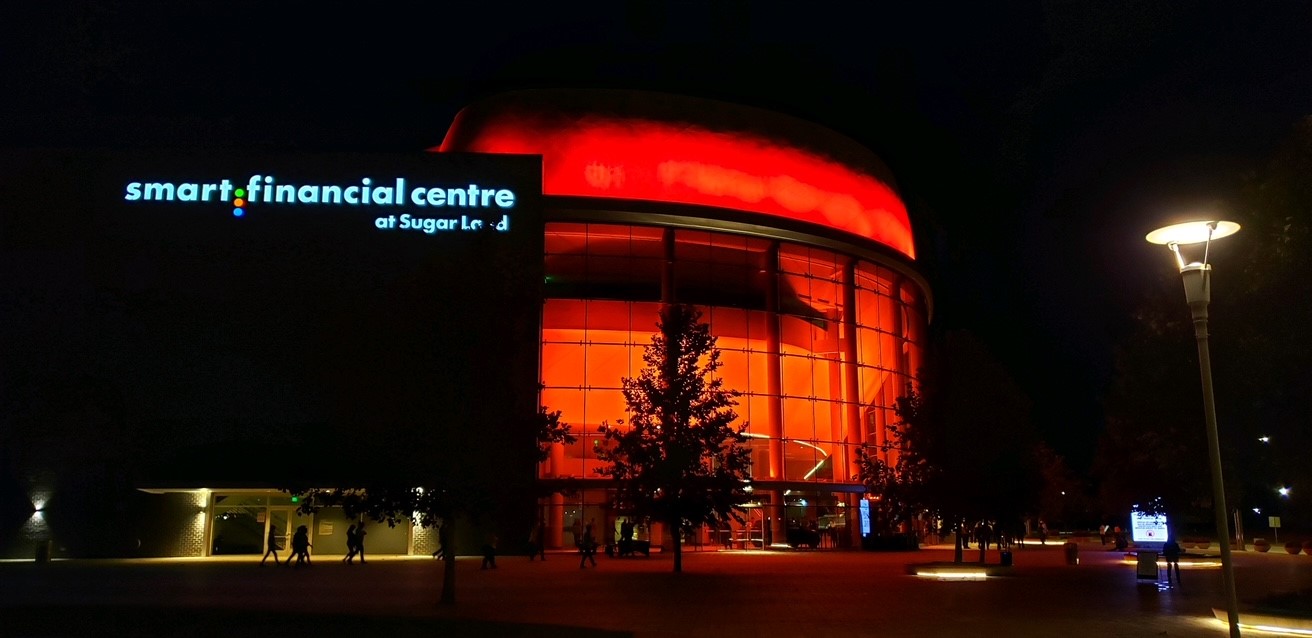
(587, 547)
(359, 542)
(537, 541)
(350, 545)
(272, 544)
(300, 547)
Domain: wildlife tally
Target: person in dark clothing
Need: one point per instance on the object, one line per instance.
(359, 542)
(350, 545)
(1171, 552)
(272, 544)
(300, 547)
(490, 552)
(587, 547)
(537, 541)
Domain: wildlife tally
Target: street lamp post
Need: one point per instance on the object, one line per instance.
(1198, 292)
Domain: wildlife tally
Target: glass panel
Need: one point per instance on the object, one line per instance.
(238, 530)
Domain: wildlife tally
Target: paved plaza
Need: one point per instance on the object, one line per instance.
(720, 594)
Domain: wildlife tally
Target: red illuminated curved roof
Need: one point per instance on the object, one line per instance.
(641, 157)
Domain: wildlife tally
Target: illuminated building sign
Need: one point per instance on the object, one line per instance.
(263, 190)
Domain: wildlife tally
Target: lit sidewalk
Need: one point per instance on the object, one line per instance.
(720, 595)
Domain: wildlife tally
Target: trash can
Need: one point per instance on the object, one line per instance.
(1072, 551)
(43, 549)
(1006, 558)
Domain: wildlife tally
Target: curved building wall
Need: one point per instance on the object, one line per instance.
(820, 344)
(790, 238)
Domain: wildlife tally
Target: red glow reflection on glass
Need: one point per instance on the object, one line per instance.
(659, 161)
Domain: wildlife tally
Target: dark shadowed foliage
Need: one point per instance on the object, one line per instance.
(681, 460)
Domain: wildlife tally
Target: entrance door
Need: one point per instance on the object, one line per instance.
(280, 522)
(284, 521)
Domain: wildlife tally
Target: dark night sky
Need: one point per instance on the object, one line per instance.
(1037, 141)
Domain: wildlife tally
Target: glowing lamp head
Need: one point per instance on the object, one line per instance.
(1192, 233)
(1196, 288)
(1284, 491)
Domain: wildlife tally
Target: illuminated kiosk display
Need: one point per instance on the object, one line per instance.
(791, 239)
(1148, 529)
(210, 327)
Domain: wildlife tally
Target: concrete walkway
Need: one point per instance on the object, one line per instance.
(720, 594)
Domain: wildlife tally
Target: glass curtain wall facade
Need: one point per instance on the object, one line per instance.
(819, 343)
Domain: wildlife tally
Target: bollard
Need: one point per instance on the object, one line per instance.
(1072, 552)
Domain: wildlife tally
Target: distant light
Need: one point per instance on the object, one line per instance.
(1063, 493)
(1264, 439)
(954, 575)
(1192, 232)
(802, 502)
(296, 499)
(1257, 510)
(1284, 491)
(1276, 629)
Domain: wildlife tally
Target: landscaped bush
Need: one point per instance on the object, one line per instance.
(1293, 547)
(1261, 545)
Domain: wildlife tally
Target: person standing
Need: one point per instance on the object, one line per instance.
(1171, 552)
(490, 552)
(272, 544)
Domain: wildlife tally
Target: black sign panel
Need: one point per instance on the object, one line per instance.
(201, 304)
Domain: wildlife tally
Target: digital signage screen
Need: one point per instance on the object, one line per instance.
(235, 314)
(1148, 528)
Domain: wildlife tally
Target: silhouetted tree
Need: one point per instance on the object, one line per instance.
(446, 497)
(550, 431)
(681, 461)
(1154, 443)
(898, 474)
(970, 431)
